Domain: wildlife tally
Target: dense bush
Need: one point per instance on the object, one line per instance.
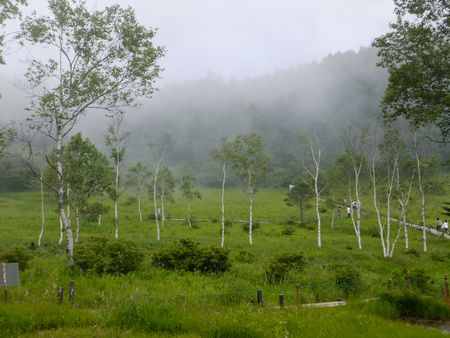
(104, 256)
(411, 305)
(16, 253)
(288, 230)
(92, 211)
(187, 255)
(245, 256)
(246, 226)
(346, 278)
(277, 268)
(415, 279)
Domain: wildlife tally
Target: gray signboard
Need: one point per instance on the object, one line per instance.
(10, 272)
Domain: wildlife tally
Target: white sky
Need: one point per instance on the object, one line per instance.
(247, 38)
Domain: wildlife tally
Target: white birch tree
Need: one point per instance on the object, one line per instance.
(250, 163)
(223, 155)
(100, 59)
(315, 144)
(116, 140)
(188, 190)
(158, 150)
(137, 177)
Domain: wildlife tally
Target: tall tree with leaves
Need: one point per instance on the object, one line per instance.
(137, 177)
(416, 52)
(224, 155)
(250, 163)
(298, 195)
(116, 140)
(87, 172)
(188, 190)
(100, 59)
(9, 9)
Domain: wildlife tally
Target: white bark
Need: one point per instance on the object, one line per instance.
(61, 231)
(422, 193)
(317, 192)
(404, 200)
(77, 215)
(251, 194)
(356, 227)
(157, 167)
(116, 190)
(163, 213)
(139, 207)
(391, 183)
(42, 211)
(222, 242)
(189, 213)
(99, 219)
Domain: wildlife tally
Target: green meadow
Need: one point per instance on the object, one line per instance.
(154, 302)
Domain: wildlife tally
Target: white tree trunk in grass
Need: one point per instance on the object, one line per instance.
(139, 207)
(356, 227)
(42, 210)
(251, 193)
(163, 213)
(373, 178)
(99, 215)
(116, 199)
(222, 242)
(422, 192)
(404, 200)
(61, 231)
(77, 231)
(392, 171)
(157, 168)
(189, 214)
(316, 153)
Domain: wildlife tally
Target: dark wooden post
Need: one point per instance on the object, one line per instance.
(281, 297)
(259, 297)
(5, 282)
(297, 293)
(60, 295)
(71, 292)
(389, 284)
(446, 294)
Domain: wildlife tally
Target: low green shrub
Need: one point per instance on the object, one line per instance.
(104, 256)
(245, 256)
(288, 230)
(187, 255)
(415, 279)
(92, 211)
(346, 278)
(246, 226)
(16, 253)
(228, 223)
(277, 269)
(373, 232)
(412, 305)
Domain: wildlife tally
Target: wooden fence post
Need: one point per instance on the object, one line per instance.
(446, 294)
(281, 297)
(60, 295)
(259, 297)
(71, 292)
(5, 282)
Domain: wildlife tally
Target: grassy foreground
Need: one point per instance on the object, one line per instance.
(153, 302)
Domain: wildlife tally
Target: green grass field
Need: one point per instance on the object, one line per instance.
(153, 302)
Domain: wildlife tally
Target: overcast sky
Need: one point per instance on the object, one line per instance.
(247, 38)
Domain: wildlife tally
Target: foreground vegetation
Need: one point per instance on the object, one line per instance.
(155, 302)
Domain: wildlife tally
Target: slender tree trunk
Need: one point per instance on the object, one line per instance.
(77, 215)
(60, 195)
(375, 204)
(139, 207)
(116, 193)
(358, 204)
(163, 213)
(251, 196)
(189, 213)
(99, 215)
(222, 242)
(61, 231)
(319, 232)
(332, 220)
(422, 193)
(355, 224)
(42, 211)
(155, 206)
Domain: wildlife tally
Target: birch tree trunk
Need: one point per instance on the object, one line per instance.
(139, 207)
(250, 220)
(60, 195)
(375, 204)
(42, 211)
(355, 223)
(422, 193)
(189, 213)
(158, 165)
(163, 213)
(116, 193)
(222, 242)
(61, 231)
(77, 215)
(357, 171)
